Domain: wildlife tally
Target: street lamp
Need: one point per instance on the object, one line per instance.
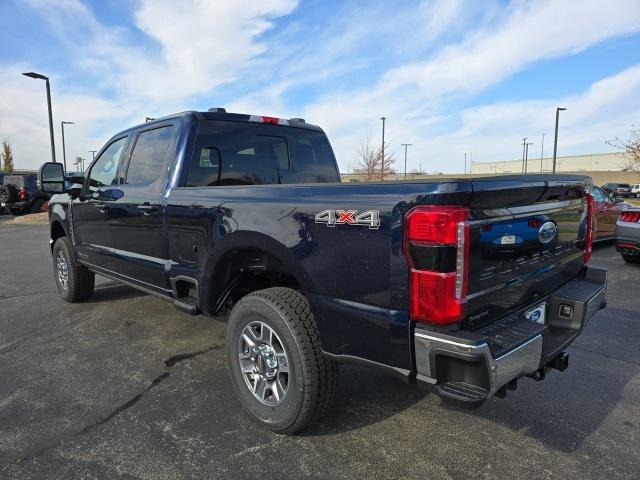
(542, 152)
(526, 156)
(93, 154)
(382, 151)
(405, 145)
(39, 76)
(555, 140)
(64, 153)
(524, 146)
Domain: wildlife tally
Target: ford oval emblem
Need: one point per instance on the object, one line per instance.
(547, 232)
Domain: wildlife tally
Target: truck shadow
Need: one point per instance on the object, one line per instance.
(561, 412)
(108, 291)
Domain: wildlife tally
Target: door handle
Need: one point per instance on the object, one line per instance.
(147, 208)
(102, 207)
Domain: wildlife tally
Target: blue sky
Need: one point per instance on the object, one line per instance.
(451, 76)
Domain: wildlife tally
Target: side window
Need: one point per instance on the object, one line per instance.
(104, 171)
(148, 160)
(598, 195)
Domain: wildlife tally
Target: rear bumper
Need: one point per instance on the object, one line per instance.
(471, 366)
(628, 238)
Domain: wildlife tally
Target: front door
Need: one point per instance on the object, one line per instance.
(91, 212)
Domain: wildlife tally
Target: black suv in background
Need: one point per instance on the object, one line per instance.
(19, 194)
(618, 189)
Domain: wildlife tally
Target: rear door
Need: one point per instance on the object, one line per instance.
(92, 211)
(137, 217)
(606, 214)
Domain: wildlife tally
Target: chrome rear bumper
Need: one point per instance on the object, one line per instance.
(469, 360)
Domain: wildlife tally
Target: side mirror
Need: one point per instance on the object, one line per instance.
(51, 178)
(75, 190)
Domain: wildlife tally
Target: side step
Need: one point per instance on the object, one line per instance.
(188, 305)
(462, 394)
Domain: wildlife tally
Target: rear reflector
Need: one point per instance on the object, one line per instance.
(438, 294)
(588, 240)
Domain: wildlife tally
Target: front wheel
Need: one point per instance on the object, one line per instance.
(275, 360)
(75, 282)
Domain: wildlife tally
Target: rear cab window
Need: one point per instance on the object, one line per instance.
(242, 153)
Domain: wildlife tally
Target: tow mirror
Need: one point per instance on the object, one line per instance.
(51, 178)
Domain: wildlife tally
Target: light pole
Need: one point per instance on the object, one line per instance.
(93, 154)
(39, 76)
(64, 153)
(555, 139)
(405, 145)
(465, 163)
(382, 151)
(148, 119)
(542, 152)
(524, 146)
(526, 156)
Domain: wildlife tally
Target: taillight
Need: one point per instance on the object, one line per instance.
(436, 247)
(632, 217)
(534, 223)
(588, 240)
(22, 194)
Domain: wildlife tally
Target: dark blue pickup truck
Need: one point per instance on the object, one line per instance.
(461, 285)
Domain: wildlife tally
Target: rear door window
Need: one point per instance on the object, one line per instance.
(150, 155)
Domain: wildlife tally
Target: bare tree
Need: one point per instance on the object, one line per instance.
(631, 148)
(7, 157)
(370, 159)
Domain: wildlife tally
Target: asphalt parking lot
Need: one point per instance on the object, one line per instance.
(125, 386)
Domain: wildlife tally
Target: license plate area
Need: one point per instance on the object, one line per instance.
(537, 314)
(508, 240)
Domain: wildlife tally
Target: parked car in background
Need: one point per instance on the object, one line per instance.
(19, 194)
(618, 189)
(2, 175)
(628, 235)
(607, 210)
(635, 190)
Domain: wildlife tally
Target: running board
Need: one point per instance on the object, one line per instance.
(187, 305)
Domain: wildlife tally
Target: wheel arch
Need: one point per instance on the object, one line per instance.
(249, 259)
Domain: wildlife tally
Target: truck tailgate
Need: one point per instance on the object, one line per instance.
(526, 240)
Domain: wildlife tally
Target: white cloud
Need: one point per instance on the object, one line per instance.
(413, 63)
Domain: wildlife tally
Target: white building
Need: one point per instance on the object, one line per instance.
(600, 162)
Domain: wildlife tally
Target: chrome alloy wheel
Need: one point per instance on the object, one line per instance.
(62, 268)
(264, 364)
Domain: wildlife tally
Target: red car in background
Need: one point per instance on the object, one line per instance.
(607, 210)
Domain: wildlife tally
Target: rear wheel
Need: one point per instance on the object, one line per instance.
(631, 258)
(75, 282)
(275, 360)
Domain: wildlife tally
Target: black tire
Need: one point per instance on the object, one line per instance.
(6, 193)
(312, 378)
(16, 212)
(36, 206)
(631, 258)
(79, 280)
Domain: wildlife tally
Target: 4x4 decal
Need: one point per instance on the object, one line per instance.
(370, 218)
